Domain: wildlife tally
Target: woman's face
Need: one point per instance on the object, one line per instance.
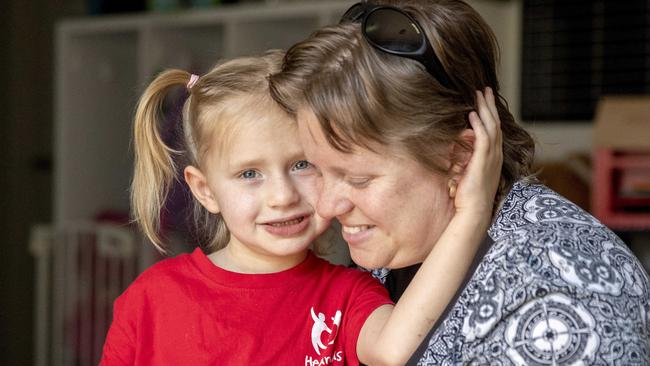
(392, 210)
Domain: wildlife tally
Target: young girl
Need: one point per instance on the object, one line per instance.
(260, 296)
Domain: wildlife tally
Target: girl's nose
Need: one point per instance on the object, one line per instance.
(283, 193)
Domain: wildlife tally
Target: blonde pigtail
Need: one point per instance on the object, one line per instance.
(155, 169)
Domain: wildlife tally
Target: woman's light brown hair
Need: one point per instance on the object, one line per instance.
(361, 95)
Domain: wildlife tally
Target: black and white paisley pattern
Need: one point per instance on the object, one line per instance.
(556, 288)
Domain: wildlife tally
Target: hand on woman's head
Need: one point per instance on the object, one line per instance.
(473, 186)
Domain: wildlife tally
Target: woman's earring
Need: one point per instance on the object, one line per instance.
(452, 188)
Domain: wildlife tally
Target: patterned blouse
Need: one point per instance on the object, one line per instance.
(556, 287)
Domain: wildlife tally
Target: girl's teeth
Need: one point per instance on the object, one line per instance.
(287, 223)
(355, 229)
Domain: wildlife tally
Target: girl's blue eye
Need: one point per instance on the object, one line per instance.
(301, 165)
(248, 174)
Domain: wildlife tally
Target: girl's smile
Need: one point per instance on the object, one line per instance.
(288, 226)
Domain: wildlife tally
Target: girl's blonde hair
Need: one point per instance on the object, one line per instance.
(211, 100)
(363, 96)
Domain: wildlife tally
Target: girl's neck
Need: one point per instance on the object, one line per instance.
(236, 259)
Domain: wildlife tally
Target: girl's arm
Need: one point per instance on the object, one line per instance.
(390, 335)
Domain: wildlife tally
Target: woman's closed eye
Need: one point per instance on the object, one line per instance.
(358, 182)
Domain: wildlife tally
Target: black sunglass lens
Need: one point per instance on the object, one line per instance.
(392, 30)
(354, 13)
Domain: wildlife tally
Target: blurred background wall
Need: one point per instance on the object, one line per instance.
(26, 38)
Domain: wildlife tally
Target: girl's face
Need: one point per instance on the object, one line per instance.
(258, 179)
(392, 210)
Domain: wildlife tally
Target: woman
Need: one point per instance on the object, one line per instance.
(382, 101)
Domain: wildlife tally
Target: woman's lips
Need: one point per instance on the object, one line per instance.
(355, 234)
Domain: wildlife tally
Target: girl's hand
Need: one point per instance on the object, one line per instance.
(480, 178)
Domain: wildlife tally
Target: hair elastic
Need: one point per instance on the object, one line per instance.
(193, 79)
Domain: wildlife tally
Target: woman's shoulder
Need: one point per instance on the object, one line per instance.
(545, 244)
(531, 208)
(540, 235)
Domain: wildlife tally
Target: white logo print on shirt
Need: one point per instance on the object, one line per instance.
(320, 326)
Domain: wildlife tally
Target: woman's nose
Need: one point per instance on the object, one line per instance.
(333, 200)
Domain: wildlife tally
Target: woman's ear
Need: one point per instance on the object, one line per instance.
(462, 154)
(200, 189)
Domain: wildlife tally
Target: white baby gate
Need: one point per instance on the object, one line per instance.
(80, 270)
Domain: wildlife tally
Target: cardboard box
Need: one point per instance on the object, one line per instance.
(622, 123)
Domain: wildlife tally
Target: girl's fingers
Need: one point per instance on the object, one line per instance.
(486, 101)
(487, 127)
(482, 138)
(488, 113)
(491, 103)
(486, 116)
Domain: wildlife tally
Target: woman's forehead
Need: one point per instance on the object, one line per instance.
(316, 143)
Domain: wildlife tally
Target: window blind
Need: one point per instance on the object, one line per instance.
(575, 51)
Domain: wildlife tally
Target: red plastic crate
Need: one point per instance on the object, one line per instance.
(609, 204)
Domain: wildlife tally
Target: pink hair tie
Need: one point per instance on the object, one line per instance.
(193, 80)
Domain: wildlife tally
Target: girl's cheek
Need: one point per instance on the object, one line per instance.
(308, 188)
(239, 202)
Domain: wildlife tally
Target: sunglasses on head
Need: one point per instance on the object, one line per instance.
(393, 31)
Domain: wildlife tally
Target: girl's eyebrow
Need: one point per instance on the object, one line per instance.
(257, 161)
(246, 163)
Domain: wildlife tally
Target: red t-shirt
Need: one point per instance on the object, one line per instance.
(187, 311)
